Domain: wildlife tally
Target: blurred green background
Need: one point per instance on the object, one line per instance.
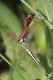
(41, 44)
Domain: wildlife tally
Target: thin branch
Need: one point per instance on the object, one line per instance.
(49, 24)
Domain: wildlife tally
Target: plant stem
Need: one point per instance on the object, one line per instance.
(5, 59)
(49, 24)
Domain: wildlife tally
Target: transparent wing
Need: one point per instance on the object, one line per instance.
(22, 16)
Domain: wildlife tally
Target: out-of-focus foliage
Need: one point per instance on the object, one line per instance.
(24, 68)
(46, 8)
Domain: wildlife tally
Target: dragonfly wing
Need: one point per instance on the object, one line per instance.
(22, 16)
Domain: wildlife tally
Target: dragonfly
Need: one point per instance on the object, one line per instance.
(26, 22)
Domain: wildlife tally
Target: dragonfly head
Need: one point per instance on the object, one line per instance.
(32, 15)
